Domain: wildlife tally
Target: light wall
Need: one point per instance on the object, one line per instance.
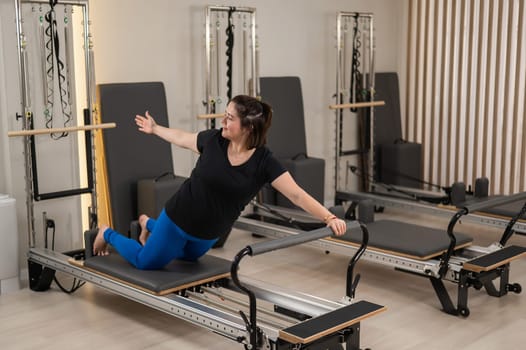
(163, 40)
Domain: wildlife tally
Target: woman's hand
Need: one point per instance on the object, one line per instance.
(338, 226)
(146, 123)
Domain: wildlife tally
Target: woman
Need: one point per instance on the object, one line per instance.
(232, 167)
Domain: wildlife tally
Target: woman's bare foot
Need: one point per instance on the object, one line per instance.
(143, 237)
(99, 244)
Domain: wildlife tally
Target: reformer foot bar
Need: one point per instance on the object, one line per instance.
(216, 300)
(438, 256)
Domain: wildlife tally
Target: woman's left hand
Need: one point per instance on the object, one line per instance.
(338, 226)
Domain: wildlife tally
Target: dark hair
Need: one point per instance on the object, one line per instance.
(256, 116)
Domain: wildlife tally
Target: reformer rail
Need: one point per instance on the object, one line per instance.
(386, 201)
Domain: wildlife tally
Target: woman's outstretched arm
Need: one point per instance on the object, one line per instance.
(297, 195)
(178, 137)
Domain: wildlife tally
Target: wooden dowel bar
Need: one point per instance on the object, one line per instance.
(61, 130)
(211, 116)
(358, 105)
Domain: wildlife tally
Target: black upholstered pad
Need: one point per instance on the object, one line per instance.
(130, 154)
(175, 276)
(286, 138)
(507, 210)
(387, 119)
(404, 239)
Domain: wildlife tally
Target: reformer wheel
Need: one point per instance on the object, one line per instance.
(515, 288)
(477, 285)
(463, 311)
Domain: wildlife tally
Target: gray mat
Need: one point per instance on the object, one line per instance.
(508, 210)
(175, 276)
(405, 239)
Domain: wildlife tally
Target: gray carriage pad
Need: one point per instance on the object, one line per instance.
(175, 276)
(403, 239)
(507, 210)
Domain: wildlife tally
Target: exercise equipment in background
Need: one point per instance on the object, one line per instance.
(231, 57)
(438, 255)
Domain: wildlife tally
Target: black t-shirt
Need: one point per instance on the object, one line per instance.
(210, 201)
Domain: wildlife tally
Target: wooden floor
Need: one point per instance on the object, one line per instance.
(92, 318)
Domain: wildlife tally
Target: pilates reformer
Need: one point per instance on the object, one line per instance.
(210, 293)
(495, 215)
(369, 171)
(430, 253)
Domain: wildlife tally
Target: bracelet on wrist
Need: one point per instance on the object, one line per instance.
(329, 218)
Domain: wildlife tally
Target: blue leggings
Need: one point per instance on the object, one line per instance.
(166, 242)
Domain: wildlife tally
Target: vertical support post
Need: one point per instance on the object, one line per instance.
(27, 116)
(208, 67)
(369, 82)
(89, 117)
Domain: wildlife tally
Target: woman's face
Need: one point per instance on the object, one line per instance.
(231, 123)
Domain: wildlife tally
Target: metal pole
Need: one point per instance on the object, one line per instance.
(255, 68)
(338, 101)
(27, 116)
(208, 59)
(92, 110)
(371, 109)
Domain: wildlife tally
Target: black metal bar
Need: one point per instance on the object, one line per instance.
(463, 293)
(62, 194)
(353, 338)
(508, 232)
(487, 279)
(443, 296)
(37, 196)
(34, 170)
(252, 324)
(444, 263)
(353, 152)
(352, 283)
(88, 145)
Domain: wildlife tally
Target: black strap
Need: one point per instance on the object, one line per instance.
(229, 52)
(53, 46)
(356, 76)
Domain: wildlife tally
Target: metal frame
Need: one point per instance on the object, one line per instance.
(195, 306)
(210, 10)
(29, 144)
(341, 89)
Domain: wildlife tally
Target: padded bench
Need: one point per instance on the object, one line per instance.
(402, 239)
(175, 276)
